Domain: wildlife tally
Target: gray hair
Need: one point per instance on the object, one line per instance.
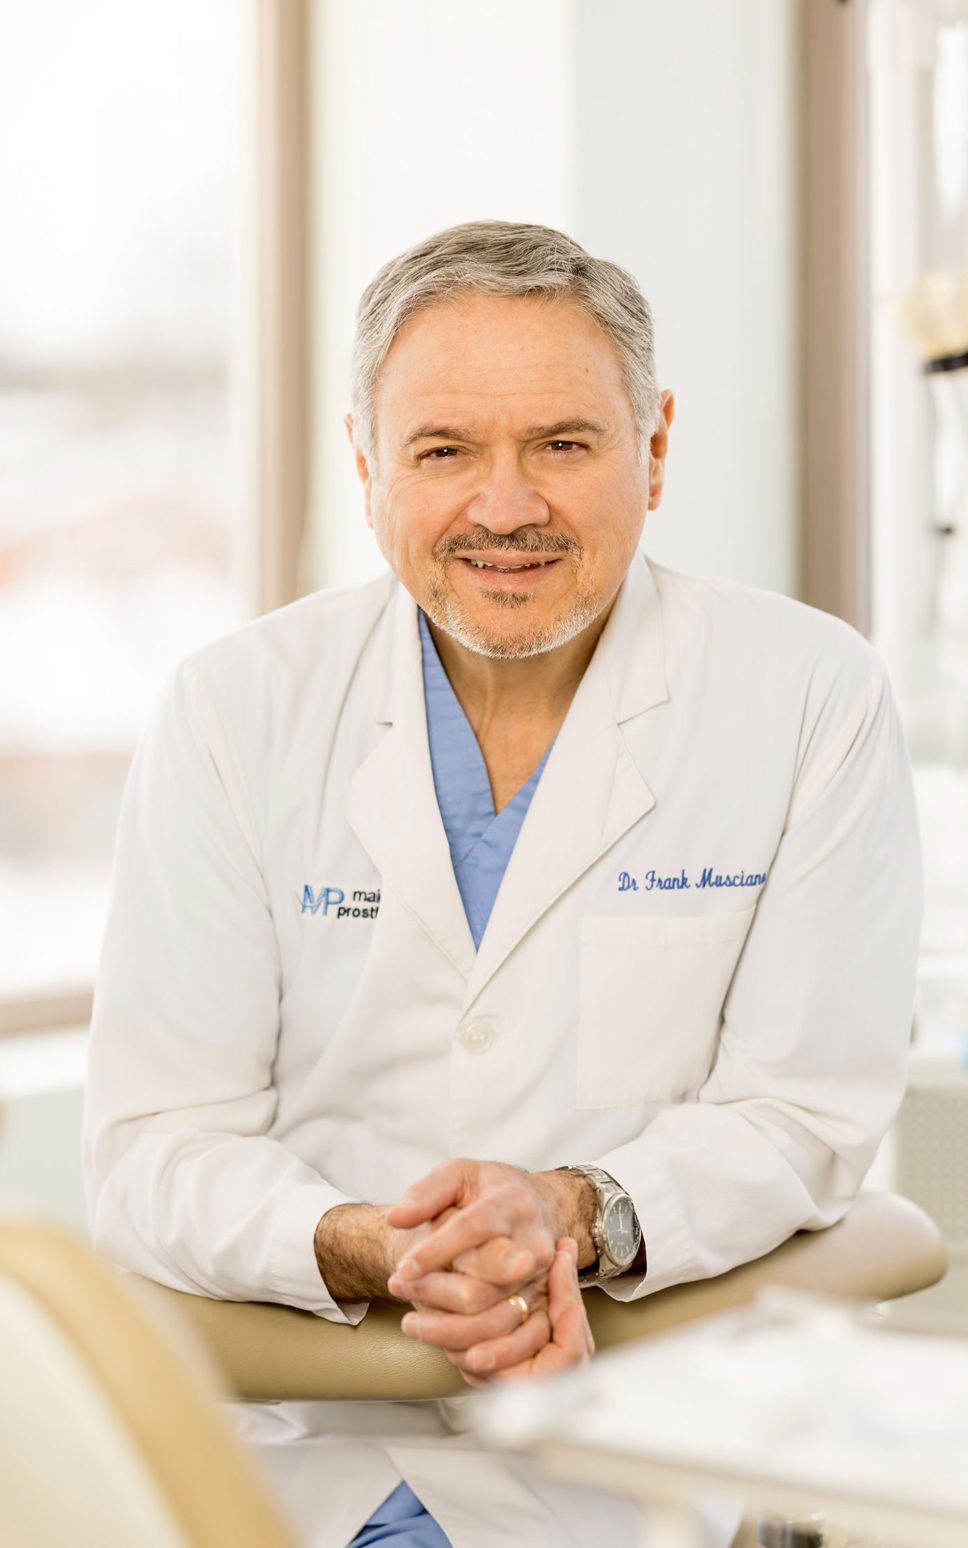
(498, 257)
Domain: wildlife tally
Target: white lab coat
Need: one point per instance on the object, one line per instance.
(698, 974)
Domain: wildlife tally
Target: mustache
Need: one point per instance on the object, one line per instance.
(524, 541)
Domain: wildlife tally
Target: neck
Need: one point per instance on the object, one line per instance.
(531, 692)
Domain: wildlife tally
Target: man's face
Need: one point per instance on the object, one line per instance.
(508, 495)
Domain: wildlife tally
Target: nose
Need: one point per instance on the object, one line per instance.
(506, 499)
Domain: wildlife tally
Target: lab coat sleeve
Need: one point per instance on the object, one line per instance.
(811, 1062)
(184, 1184)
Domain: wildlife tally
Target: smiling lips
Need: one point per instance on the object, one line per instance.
(510, 569)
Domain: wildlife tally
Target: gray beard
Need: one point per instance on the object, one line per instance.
(454, 621)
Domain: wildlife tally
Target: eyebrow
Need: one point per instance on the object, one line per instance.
(533, 433)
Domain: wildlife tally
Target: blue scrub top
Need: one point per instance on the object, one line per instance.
(480, 839)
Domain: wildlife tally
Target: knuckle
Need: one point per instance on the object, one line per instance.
(482, 1298)
(491, 1253)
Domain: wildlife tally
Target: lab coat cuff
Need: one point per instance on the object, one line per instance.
(296, 1280)
(669, 1256)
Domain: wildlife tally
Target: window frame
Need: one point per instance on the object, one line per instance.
(836, 513)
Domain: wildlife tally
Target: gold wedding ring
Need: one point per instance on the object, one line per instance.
(521, 1307)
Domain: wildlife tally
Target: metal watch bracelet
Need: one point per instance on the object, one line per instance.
(607, 1190)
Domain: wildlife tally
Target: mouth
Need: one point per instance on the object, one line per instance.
(505, 567)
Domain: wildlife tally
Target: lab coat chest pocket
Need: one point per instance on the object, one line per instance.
(650, 1003)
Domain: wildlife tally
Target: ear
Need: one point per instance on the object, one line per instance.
(362, 466)
(658, 449)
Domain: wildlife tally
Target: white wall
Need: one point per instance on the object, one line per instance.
(660, 136)
(425, 114)
(687, 169)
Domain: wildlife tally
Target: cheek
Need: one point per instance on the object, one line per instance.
(630, 507)
(613, 533)
(408, 523)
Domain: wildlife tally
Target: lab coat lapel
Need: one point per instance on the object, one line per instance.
(592, 789)
(391, 804)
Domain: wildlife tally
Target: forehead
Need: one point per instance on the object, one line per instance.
(495, 359)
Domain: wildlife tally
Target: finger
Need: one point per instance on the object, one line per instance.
(448, 1292)
(570, 1336)
(496, 1353)
(491, 1261)
(563, 1287)
(544, 1363)
(475, 1381)
(472, 1227)
(456, 1292)
(547, 1362)
(571, 1342)
(445, 1185)
(570, 1332)
(454, 1332)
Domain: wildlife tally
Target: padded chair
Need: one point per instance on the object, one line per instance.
(883, 1248)
(110, 1432)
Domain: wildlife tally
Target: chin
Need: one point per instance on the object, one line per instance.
(515, 636)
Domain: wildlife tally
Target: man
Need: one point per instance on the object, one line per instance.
(529, 856)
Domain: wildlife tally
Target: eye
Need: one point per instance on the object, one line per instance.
(568, 445)
(438, 454)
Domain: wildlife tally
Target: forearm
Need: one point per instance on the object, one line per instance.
(229, 1217)
(354, 1246)
(718, 1185)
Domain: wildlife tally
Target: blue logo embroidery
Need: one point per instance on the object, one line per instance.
(327, 898)
(363, 905)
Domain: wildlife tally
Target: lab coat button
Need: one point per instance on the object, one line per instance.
(478, 1036)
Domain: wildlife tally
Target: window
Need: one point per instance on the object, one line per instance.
(918, 255)
(120, 176)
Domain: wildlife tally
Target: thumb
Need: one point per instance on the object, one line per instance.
(563, 1288)
(445, 1186)
(566, 1309)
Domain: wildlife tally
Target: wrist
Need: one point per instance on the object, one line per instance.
(616, 1232)
(572, 1203)
(352, 1247)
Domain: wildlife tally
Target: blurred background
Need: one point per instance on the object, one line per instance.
(194, 196)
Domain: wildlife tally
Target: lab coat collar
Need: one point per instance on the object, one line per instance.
(633, 644)
(593, 788)
(591, 792)
(391, 804)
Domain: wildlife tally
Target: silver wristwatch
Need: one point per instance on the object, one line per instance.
(616, 1231)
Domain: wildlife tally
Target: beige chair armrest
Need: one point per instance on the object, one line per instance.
(884, 1247)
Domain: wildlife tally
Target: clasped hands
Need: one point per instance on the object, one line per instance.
(487, 1255)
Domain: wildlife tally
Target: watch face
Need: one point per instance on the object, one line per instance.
(621, 1231)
